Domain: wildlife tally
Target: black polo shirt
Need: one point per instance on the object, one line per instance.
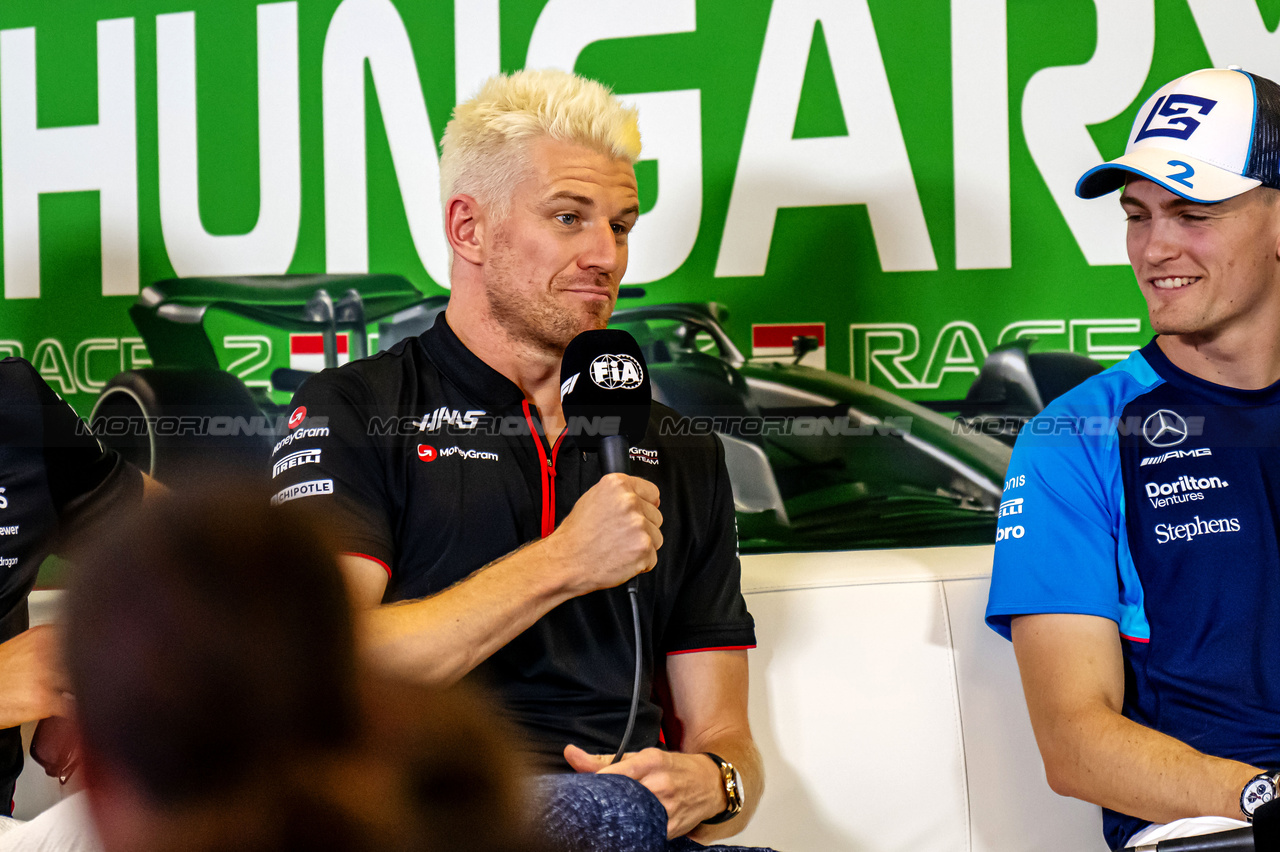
(54, 478)
(433, 464)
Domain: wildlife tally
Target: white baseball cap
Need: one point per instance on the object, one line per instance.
(1207, 137)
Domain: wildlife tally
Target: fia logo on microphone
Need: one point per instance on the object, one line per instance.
(616, 372)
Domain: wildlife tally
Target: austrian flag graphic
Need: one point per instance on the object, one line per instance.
(306, 351)
(776, 342)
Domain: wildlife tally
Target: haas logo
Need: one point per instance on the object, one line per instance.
(426, 452)
(612, 372)
(299, 414)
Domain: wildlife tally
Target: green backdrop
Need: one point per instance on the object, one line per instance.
(898, 172)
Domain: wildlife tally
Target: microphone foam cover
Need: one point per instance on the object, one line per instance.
(604, 387)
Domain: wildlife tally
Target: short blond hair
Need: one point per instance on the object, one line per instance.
(486, 142)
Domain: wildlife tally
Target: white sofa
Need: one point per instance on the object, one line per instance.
(890, 717)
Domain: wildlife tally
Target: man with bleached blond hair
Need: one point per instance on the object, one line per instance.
(484, 544)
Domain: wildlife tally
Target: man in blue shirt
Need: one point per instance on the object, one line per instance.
(1137, 558)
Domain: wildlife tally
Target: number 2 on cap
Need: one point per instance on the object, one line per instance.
(1181, 177)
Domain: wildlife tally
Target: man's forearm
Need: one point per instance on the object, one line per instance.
(1072, 669)
(441, 638)
(32, 678)
(611, 535)
(1104, 758)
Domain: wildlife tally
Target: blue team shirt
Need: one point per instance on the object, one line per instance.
(1149, 497)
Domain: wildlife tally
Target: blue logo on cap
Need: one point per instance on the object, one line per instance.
(1174, 110)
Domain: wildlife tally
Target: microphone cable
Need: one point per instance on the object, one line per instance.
(633, 592)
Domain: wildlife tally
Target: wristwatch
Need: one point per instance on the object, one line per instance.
(1260, 790)
(733, 793)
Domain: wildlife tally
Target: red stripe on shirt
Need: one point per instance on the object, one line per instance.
(385, 566)
(548, 474)
(700, 650)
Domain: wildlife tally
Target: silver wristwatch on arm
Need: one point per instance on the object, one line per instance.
(1260, 790)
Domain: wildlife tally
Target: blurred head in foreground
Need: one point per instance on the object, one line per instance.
(211, 648)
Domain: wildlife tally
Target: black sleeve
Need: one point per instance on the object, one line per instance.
(710, 613)
(330, 457)
(85, 479)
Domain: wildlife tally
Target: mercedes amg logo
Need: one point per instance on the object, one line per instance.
(1164, 428)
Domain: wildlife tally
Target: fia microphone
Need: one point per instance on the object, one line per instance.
(605, 395)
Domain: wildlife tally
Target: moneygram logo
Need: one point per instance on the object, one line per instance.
(469, 455)
(1166, 533)
(428, 453)
(646, 456)
(301, 435)
(299, 414)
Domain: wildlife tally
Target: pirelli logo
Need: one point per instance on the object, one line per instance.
(294, 460)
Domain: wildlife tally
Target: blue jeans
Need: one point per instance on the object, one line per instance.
(606, 813)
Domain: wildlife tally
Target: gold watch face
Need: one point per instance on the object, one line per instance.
(733, 787)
